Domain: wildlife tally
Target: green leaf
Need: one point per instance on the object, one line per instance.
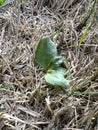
(45, 52)
(56, 62)
(1, 109)
(56, 78)
(1, 2)
(84, 35)
(3, 86)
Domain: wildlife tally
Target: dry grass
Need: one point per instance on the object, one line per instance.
(26, 102)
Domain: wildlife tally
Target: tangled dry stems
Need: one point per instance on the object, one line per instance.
(27, 102)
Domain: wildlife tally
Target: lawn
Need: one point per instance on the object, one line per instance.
(28, 99)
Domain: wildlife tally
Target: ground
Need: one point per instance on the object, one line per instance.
(27, 102)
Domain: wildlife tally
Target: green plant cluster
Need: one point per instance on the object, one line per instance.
(46, 57)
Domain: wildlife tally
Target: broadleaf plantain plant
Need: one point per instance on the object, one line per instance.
(46, 57)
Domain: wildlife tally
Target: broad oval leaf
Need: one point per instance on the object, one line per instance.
(45, 52)
(56, 78)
